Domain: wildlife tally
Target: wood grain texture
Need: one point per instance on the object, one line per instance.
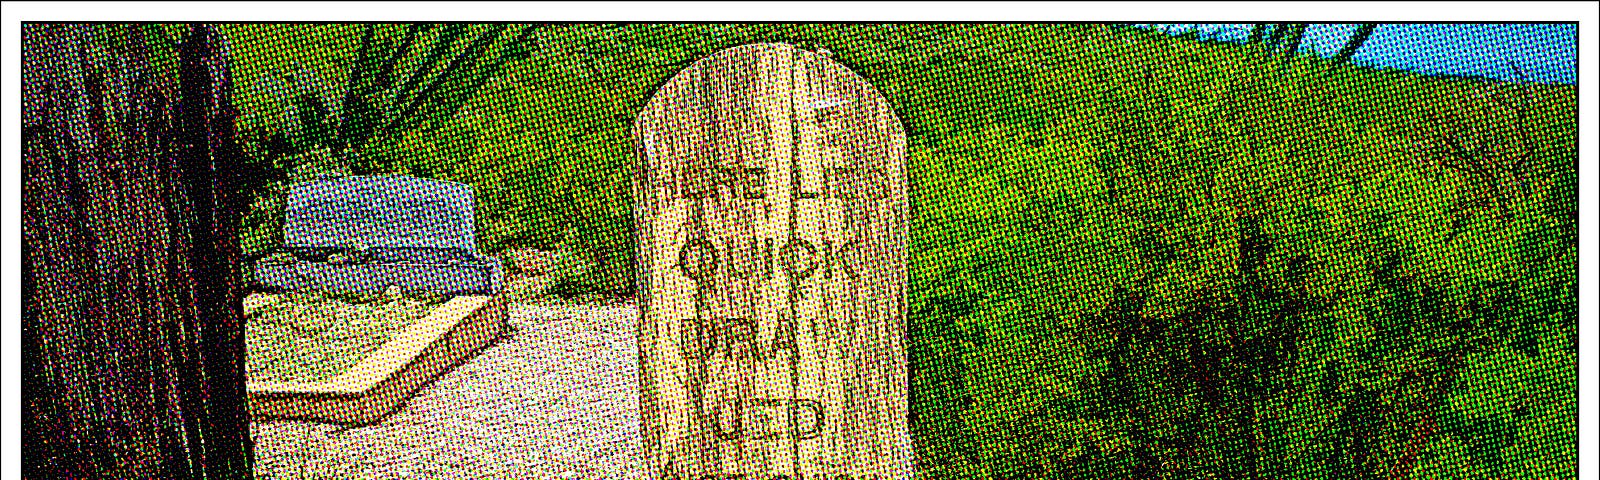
(385, 381)
(771, 202)
(133, 326)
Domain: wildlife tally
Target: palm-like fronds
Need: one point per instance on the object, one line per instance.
(403, 82)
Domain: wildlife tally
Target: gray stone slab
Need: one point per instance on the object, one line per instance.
(382, 231)
(388, 211)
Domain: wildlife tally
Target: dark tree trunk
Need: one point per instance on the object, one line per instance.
(1355, 42)
(133, 320)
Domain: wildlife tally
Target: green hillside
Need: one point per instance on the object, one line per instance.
(1133, 256)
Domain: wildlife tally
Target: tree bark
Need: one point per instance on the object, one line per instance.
(133, 323)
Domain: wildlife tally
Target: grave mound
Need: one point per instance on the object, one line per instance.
(377, 291)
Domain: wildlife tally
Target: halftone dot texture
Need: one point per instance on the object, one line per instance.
(1543, 52)
(307, 338)
(771, 200)
(1129, 255)
(1538, 52)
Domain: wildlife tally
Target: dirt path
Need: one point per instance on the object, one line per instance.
(554, 398)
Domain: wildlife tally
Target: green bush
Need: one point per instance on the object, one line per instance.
(1221, 272)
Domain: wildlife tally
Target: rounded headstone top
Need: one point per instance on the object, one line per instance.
(770, 196)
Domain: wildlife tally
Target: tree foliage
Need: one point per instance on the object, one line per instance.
(1356, 40)
(402, 80)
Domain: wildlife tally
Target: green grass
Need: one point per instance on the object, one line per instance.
(1131, 255)
(313, 337)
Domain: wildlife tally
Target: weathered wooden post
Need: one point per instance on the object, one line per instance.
(133, 322)
(771, 200)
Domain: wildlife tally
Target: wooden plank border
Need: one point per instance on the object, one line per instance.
(381, 383)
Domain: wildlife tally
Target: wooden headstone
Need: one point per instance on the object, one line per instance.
(771, 204)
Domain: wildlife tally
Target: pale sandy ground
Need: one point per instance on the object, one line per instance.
(556, 397)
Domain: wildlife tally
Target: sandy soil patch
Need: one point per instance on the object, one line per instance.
(557, 397)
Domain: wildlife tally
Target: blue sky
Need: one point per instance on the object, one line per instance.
(1547, 53)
